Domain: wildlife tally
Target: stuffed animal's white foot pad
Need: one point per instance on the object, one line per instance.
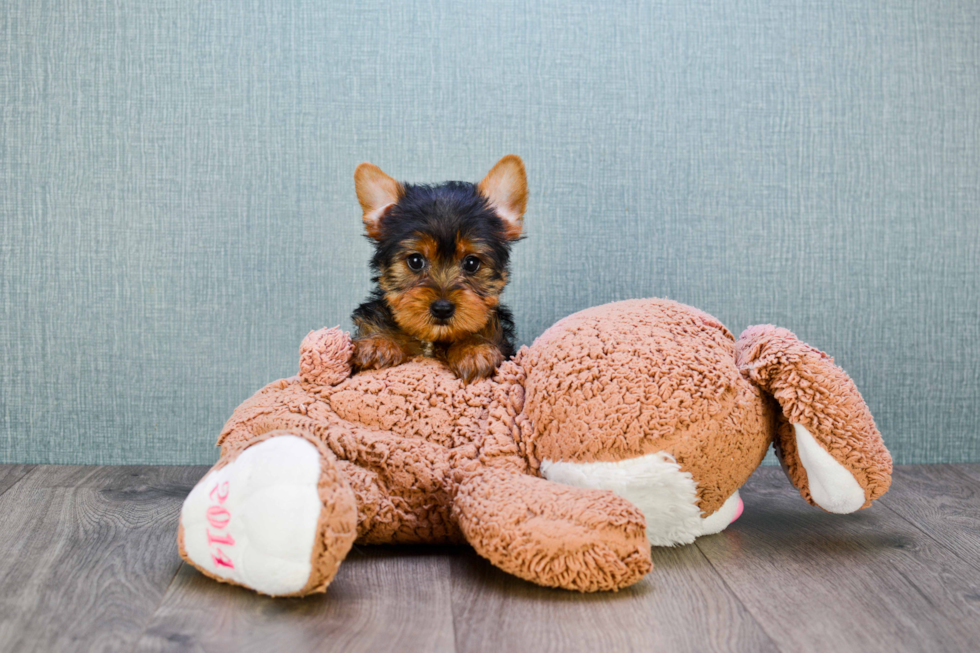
(719, 520)
(656, 485)
(832, 487)
(254, 521)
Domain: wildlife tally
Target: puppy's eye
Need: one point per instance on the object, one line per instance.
(415, 262)
(471, 264)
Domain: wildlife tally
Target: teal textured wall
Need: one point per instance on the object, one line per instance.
(177, 204)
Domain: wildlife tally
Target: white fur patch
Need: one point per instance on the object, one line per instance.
(254, 521)
(655, 484)
(832, 487)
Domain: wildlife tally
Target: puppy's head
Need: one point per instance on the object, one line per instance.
(441, 252)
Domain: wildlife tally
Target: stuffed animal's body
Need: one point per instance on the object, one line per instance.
(622, 426)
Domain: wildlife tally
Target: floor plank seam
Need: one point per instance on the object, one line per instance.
(885, 502)
(150, 614)
(153, 614)
(761, 623)
(27, 472)
(959, 472)
(452, 603)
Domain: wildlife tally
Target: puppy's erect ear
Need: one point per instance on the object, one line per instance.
(376, 191)
(505, 187)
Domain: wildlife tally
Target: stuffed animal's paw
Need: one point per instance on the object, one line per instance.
(553, 534)
(324, 357)
(278, 519)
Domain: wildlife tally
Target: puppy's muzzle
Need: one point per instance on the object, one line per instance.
(442, 309)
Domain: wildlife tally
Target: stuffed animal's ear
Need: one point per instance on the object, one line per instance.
(376, 192)
(505, 187)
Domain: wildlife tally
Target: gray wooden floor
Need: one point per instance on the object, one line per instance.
(88, 561)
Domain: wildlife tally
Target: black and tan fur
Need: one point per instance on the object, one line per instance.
(440, 243)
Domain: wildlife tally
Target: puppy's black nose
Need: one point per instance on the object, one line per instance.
(442, 309)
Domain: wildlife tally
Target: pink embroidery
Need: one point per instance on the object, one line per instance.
(219, 518)
(222, 495)
(221, 560)
(220, 539)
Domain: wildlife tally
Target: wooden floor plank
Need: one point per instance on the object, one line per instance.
(972, 471)
(11, 474)
(868, 581)
(133, 477)
(84, 567)
(87, 556)
(682, 605)
(383, 599)
(943, 502)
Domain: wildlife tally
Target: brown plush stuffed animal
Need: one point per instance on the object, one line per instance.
(622, 426)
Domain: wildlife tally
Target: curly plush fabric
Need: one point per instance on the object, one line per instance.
(814, 392)
(643, 376)
(413, 454)
(553, 535)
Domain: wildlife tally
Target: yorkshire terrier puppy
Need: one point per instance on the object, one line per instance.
(440, 263)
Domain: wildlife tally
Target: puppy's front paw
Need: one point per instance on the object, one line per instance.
(377, 352)
(472, 361)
